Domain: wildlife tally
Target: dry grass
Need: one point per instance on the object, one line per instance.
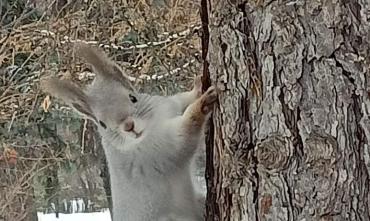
(155, 41)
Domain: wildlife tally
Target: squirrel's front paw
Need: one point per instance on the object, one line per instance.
(198, 85)
(208, 99)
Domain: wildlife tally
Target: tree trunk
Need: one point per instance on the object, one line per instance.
(291, 131)
(94, 147)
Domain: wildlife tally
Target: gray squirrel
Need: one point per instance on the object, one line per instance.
(149, 141)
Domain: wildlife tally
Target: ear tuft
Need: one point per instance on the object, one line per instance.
(102, 65)
(47, 84)
(70, 94)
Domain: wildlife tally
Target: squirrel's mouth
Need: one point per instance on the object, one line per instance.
(137, 134)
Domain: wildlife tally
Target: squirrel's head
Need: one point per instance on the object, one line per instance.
(111, 101)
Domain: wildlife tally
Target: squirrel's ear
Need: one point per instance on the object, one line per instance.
(70, 94)
(103, 66)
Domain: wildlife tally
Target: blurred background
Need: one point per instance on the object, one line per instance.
(51, 161)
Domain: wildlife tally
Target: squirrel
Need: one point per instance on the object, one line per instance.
(149, 141)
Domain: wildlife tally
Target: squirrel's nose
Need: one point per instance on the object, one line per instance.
(128, 124)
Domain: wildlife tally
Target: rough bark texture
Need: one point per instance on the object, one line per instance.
(93, 145)
(292, 129)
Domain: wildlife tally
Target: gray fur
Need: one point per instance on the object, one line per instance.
(150, 174)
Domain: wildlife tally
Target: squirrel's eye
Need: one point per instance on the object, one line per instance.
(102, 124)
(132, 98)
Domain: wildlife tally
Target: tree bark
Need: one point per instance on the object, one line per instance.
(94, 148)
(292, 128)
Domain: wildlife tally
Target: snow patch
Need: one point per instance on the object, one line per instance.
(96, 216)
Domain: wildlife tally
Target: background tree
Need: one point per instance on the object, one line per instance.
(291, 132)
